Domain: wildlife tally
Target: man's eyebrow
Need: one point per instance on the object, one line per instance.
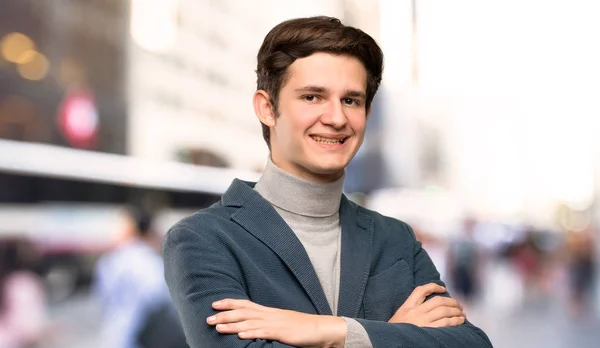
(312, 88)
(358, 94)
(321, 89)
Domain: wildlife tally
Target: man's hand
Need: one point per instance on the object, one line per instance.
(437, 312)
(252, 321)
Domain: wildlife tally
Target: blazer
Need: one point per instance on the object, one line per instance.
(241, 248)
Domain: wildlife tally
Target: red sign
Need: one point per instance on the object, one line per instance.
(78, 119)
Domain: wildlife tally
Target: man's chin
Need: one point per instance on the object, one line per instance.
(328, 170)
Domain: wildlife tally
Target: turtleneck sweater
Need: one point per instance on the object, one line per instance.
(311, 210)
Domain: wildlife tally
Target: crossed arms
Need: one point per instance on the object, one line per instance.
(216, 312)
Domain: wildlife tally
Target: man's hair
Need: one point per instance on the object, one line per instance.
(301, 37)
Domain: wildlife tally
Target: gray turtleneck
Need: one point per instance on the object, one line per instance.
(312, 212)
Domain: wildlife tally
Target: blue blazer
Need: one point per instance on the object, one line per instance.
(241, 248)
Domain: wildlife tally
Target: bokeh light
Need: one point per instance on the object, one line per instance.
(14, 45)
(35, 68)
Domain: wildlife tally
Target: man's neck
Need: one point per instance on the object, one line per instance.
(299, 196)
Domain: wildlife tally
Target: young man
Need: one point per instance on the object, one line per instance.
(290, 261)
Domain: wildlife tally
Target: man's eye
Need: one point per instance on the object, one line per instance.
(310, 98)
(350, 101)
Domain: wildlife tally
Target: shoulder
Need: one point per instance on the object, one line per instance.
(207, 228)
(203, 221)
(206, 241)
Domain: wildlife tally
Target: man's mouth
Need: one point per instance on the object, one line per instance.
(324, 140)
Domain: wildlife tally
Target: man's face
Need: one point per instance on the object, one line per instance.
(322, 117)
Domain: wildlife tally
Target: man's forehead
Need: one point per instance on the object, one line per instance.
(305, 73)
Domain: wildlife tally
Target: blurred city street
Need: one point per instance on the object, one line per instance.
(75, 322)
(120, 118)
(539, 324)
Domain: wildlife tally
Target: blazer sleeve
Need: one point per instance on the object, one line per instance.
(198, 272)
(399, 335)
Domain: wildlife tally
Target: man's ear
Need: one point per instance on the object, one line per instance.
(368, 112)
(263, 108)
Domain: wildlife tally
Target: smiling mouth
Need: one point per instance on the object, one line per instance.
(330, 141)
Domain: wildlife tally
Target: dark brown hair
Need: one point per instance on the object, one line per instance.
(301, 37)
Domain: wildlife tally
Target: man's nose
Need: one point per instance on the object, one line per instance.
(335, 116)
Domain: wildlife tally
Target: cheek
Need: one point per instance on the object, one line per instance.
(300, 118)
(358, 123)
(290, 130)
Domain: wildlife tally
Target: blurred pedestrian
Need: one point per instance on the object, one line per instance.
(130, 286)
(23, 308)
(582, 271)
(463, 263)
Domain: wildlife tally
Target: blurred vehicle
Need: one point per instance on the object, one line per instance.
(71, 203)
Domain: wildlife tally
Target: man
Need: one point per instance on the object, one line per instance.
(290, 261)
(130, 286)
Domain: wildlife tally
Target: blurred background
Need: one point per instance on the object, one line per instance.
(483, 137)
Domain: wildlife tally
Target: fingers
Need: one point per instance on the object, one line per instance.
(254, 334)
(229, 303)
(235, 311)
(233, 316)
(421, 292)
(440, 301)
(443, 313)
(234, 328)
(444, 322)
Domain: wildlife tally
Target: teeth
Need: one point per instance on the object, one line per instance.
(327, 140)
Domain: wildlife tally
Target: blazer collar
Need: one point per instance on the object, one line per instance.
(357, 246)
(259, 218)
(238, 193)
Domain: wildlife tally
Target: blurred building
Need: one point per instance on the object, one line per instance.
(474, 108)
(400, 138)
(62, 73)
(62, 86)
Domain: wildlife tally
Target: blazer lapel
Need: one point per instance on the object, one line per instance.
(357, 240)
(258, 217)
